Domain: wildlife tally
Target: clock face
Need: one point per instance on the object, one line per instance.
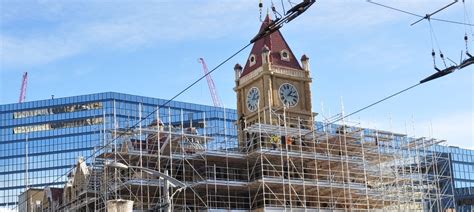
(288, 94)
(253, 97)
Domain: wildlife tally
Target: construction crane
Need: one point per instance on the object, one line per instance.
(212, 87)
(24, 83)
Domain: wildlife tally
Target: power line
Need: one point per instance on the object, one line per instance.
(420, 16)
(428, 16)
(380, 101)
(367, 107)
(396, 9)
(452, 22)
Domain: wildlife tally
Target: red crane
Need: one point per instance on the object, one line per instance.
(24, 83)
(212, 87)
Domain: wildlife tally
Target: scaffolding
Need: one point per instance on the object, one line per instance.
(281, 164)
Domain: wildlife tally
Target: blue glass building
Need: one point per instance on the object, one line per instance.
(54, 133)
(463, 176)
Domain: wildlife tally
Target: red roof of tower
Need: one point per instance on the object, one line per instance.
(275, 43)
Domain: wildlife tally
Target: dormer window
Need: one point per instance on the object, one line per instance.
(252, 60)
(285, 55)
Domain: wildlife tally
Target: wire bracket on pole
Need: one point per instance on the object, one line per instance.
(417, 15)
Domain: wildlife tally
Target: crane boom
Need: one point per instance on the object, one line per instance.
(212, 87)
(24, 83)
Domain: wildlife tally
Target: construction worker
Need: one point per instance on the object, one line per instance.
(275, 140)
(289, 140)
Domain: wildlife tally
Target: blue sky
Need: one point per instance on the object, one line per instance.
(359, 53)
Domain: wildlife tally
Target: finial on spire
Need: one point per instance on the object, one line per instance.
(304, 57)
(305, 62)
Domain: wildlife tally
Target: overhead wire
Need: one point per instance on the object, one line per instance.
(290, 3)
(428, 16)
(366, 107)
(417, 15)
(275, 12)
(470, 58)
(452, 22)
(396, 9)
(467, 18)
(433, 53)
(282, 5)
(433, 36)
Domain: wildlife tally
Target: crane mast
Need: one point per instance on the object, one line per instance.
(210, 82)
(24, 83)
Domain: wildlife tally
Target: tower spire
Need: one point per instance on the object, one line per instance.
(280, 51)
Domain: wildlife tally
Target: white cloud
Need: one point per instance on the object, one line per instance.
(112, 26)
(35, 50)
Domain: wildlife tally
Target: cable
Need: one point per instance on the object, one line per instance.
(417, 15)
(393, 8)
(282, 5)
(366, 107)
(452, 22)
(441, 55)
(379, 101)
(467, 19)
(428, 16)
(433, 36)
(275, 12)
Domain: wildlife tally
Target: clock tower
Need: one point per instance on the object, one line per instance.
(273, 84)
